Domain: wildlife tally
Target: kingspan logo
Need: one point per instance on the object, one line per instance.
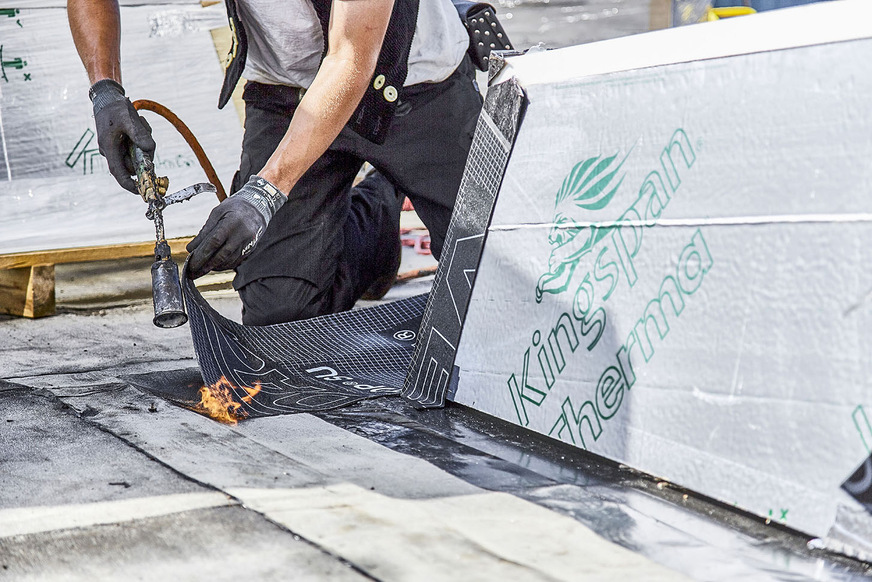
(579, 227)
(589, 187)
(614, 243)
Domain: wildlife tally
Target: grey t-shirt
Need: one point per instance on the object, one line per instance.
(285, 42)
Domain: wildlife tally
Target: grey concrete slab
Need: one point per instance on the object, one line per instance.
(483, 537)
(29, 520)
(104, 322)
(70, 343)
(281, 451)
(50, 456)
(346, 458)
(108, 339)
(226, 543)
(279, 465)
(102, 284)
(196, 446)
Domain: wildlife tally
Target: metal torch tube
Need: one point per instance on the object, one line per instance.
(166, 289)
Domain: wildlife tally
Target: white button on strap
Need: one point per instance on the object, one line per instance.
(379, 82)
(390, 94)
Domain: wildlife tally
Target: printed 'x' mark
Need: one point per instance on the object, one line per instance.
(783, 513)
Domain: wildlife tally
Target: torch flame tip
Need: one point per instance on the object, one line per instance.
(218, 401)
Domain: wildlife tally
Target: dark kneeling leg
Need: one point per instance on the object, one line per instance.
(279, 299)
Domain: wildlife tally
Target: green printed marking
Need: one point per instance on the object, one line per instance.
(861, 421)
(590, 186)
(650, 330)
(81, 152)
(85, 157)
(11, 13)
(16, 63)
(781, 512)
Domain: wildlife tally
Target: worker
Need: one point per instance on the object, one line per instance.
(330, 84)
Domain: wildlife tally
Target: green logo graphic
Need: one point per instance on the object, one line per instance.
(577, 323)
(590, 186)
(86, 152)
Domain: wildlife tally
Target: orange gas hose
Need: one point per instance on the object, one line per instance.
(195, 146)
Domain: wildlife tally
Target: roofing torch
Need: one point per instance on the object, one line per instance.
(166, 288)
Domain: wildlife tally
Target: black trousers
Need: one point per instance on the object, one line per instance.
(330, 241)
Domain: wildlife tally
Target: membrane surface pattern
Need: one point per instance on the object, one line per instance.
(305, 366)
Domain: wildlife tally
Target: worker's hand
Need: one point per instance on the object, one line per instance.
(234, 227)
(118, 124)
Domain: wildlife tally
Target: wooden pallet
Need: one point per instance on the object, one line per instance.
(27, 280)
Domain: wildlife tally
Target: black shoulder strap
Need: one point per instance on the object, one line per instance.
(235, 62)
(486, 34)
(373, 116)
(322, 9)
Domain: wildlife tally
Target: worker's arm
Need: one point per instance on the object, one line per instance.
(357, 29)
(96, 28)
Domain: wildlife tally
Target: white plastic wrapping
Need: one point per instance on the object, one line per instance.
(700, 308)
(55, 189)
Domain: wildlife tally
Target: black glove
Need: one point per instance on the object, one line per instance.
(234, 227)
(118, 124)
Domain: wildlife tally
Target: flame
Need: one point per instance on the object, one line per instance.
(218, 401)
